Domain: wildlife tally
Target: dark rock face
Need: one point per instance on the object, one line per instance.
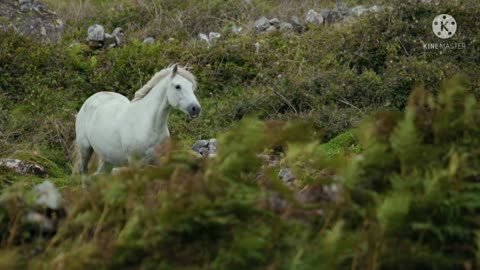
(31, 18)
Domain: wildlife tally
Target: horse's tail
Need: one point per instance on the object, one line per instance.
(74, 159)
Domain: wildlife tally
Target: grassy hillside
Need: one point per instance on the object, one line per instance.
(381, 135)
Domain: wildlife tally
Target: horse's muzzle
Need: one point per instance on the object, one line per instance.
(194, 110)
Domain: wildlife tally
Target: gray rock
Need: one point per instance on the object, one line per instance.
(360, 10)
(314, 17)
(199, 145)
(286, 175)
(212, 36)
(43, 222)
(119, 36)
(96, 32)
(24, 167)
(261, 24)
(48, 196)
(42, 25)
(297, 24)
(203, 37)
(285, 27)
(336, 14)
(270, 29)
(258, 46)
(236, 29)
(148, 40)
(275, 22)
(205, 148)
(212, 147)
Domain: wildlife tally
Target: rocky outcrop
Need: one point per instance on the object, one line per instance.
(24, 167)
(31, 18)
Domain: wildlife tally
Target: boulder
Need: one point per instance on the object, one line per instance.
(24, 167)
(270, 29)
(275, 22)
(286, 27)
(261, 24)
(148, 40)
(96, 32)
(236, 29)
(205, 148)
(314, 17)
(119, 36)
(286, 175)
(297, 24)
(48, 196)
(48, 202)
(212, 36)
(31, 18)
(203, 37)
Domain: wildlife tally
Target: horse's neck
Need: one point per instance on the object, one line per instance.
(153, 109)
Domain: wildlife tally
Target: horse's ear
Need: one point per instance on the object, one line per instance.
(175, 69)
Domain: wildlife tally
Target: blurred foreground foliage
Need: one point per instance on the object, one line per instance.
(332, 75)
(409, 200)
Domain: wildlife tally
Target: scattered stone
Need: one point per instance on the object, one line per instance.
(96, 32)
(286, 27)
(119, 36)
(148, 40)
(214, 36)
(97, 38)
(261, 24)
(270, 29)
(24, 167)
(314, 17)
(275, 22)
(286, 175)
(49, 201)
(48, 196)
(212, 147)
(43, 222)
(360, 10)
(203, 37)
(336, 14)
(205, 148)
(258, 46)
(236, 29)
(297, 25)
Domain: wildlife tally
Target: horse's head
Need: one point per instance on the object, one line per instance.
(180, 92)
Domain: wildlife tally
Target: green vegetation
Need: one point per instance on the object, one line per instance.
(335, 103)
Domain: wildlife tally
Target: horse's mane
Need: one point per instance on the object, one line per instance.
(161, 75)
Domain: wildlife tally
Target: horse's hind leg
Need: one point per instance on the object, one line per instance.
(85, 155)
(103, 167)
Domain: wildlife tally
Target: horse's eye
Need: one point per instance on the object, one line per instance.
(178, 87)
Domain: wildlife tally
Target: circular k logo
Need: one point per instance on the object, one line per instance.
(444, 26)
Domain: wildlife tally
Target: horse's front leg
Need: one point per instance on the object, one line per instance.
(150, 157)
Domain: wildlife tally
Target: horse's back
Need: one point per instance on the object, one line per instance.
(97, 120)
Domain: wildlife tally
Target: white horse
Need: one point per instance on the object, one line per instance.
(118, 129)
